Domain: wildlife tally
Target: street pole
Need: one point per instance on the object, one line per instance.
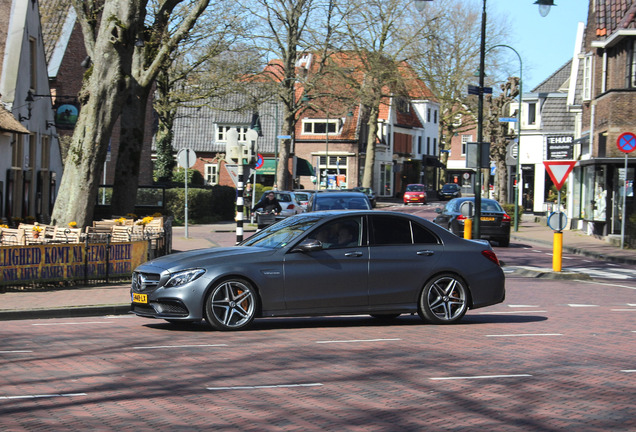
(518, 164)
(480, 120)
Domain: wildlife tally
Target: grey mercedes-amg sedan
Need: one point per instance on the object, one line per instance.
(324, 263)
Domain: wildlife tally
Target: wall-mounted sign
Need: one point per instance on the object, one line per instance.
(560, 147)
(66, 116)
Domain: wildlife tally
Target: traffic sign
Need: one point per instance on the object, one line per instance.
(626, 142)
(186, 158)
(507, 119)
(559, 171)
(259, 161)
(557, 221)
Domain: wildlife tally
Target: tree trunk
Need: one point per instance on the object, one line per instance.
(130, 147)
(101, 100)
(283, 176)
(369, 162)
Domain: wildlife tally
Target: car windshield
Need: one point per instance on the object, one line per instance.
(280, 234)
(415, 188)
(302, 196)
(340, 203)
(450, 188)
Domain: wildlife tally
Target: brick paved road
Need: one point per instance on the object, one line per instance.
(557, 355)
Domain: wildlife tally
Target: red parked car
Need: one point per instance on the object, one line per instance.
(415, 193)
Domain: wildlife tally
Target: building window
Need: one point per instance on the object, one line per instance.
(211, 174)
(435, 146)
(532, 113)
(587, 78)
(465, 140)
(630, 81)
(46, 153)
(319, 127)
(33, 45)
(428, 145)
(17, 155)
(419, 145)
(435, 116)
(221, 133)
(428, 115)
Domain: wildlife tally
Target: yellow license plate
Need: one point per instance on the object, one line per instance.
(488, 218)
(139, 298)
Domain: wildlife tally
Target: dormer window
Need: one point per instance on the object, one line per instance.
(321, 127)
(221, 133)
(403, 106)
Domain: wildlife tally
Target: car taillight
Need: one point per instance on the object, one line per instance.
(505, 218)
(461, 217)
(290, 207)
(491, 256)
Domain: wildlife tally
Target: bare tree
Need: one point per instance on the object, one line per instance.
(121, 74)
(449, 59)
(380, 35)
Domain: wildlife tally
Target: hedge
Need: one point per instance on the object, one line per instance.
(205, 206)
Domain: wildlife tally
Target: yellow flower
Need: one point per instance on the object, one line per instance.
(145, 221)
(4, 226)
(72, 224)
(37, 229)
(120, 221)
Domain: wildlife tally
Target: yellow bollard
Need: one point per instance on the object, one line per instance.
(468, 228)
(557, 251)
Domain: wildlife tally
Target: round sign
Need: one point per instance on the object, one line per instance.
(626, 142)
(259, 161)
(557, 221)
(186, 158)
(466, 176)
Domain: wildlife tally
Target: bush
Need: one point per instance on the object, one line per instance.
(195, 178)
(208, 205)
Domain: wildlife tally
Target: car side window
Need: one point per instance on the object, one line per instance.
(423, 236)
(390, 230)
(341, 233)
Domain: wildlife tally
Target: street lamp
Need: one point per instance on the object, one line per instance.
(544, 6)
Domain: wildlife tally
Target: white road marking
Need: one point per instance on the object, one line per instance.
(510, 312)
(72, 323)
(607, 284)
(357, 340)
(480, 377)
(525, 334)
(178, 346)
(522, 306)
(623, 310)
(264, 386)
(16, 351)
(629, 370)
(42, 396)
(582, 305)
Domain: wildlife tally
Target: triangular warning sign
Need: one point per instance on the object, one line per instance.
(559, 171)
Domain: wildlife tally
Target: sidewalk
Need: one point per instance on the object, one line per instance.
(115, 299)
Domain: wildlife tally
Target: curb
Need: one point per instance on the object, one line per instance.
(65, 312)
(549, 274)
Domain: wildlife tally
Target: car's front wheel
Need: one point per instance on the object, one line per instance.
(444, 300)
(231, 305)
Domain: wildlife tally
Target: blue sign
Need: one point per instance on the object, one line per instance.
(626, 142)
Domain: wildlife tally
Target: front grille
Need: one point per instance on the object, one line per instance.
(145, 282)
(143, 309)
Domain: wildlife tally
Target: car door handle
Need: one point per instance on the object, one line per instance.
(353, 254)
(426, 252)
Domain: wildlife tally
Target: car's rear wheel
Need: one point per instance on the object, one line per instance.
(444, 299)
(231, 305)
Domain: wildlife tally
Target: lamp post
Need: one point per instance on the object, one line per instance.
(518, 165)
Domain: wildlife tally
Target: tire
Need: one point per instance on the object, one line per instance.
(386, 317)
(444, 300)
(231, 305)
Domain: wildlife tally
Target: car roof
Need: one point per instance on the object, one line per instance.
(340, 194)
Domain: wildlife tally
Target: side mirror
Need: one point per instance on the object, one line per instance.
(438, 210)
(308, 245)
(467, 209)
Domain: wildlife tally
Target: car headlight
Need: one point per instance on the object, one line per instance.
(184, 277)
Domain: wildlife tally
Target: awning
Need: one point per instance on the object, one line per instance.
(268, 168)
(431, 161)
(304, 168)
(9, 123)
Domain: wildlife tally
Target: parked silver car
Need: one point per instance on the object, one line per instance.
(288, 202)
(324, 263)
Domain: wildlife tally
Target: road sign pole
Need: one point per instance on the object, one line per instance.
(557, 249)
(624, 206)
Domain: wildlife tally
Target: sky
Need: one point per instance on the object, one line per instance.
(544, 43)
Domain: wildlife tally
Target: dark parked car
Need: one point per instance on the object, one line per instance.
(368, 192)
(338, 200)
(449, 191)
(415, 194)
(494, 222)
(379, 263)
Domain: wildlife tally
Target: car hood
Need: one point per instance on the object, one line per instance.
(200, 258)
